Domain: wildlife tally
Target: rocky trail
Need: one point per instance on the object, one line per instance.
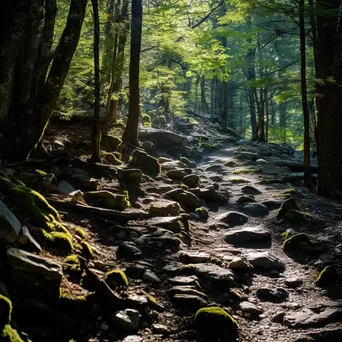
(152, 241)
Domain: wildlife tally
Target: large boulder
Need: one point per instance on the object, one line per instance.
(31, 272)
(248, 236)
(184, 197)
(163, 138)
(146, 163)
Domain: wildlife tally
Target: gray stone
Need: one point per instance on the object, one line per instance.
(214, 168)
(248, 235)
(238, 263)
(181, 280)
(131, 175)
(146, 163)
(128, 249)
(265, 260)
(245, 199)
(186, 289)
(172, 223)
(232, 218)
(151, 277)
(250, 190)
(190, 180)
(310, 319)
(32, 272)
(65, 188)
(106, 199)
(193, 257)
(160, 329)
(325, 335)
(133, 338)
(218, 276)
(26, 239)
(272, 204)
(250, 308)
(216, 178)
(189, 302)
(164, 208)
(269, 295)
(161, 239)
(184, 197)
(177, 174)
(293, 282)
(246, 155)
(255, 209)
(10, 226)
(128, 319)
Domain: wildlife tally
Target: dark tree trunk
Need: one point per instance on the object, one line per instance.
(130, 134)
(329, 99)
(32, 127)
(306, 116)
(96, 136)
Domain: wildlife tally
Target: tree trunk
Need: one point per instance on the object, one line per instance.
(35, 125)
(96, 136)
(329, 100)
(306, 116)
(130, 134)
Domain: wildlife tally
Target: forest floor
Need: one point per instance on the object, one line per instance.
(236, 255)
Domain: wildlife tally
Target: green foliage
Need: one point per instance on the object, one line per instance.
(10, 335)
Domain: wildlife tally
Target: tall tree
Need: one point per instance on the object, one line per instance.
(130, 134)
(328, 54)
(305, 107)
(96, 136)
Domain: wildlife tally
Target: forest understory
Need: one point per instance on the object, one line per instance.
(228, 229)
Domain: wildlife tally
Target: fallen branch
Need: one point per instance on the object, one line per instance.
(117, 216)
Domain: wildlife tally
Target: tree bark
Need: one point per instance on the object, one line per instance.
(329, 99)
(96, 136)
(306, 116)
(35, 125)
(130, 134)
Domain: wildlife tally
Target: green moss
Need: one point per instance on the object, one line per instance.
(326, 277)
(289, 204)
(5, 310)
(289, 192)
(10, 335)
(146, 119)
(74, 260)
(125, 201)
(252, 170)
(32, 204)
(203, 212)
(112, 158)
(80, 232)
(296, 216)
(59, 240)
(117, 278)
(87, 250)
(66, 295)
(183, 186)
(286, 235)
(230, 163)
(209, 147)
(238, 180)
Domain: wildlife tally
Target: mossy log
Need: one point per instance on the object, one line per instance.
(118, 216)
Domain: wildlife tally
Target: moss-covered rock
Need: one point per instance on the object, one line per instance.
(147, 145)
(164, 208)
(107, 199)
(60, 241)
(5, 310)
(252, 170)
(191, 180)
(9, 334)
(245, 199)
(87, 250)
(215, 324)
(131, 175)
(109, 143)
(230, 163)
(289, 211)
(116, 278)
(289, 192)
(32, 204)
(112, 158)
(74, 261)
(146, 163)
(327, 277)
(202, 212)
(238, 180)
